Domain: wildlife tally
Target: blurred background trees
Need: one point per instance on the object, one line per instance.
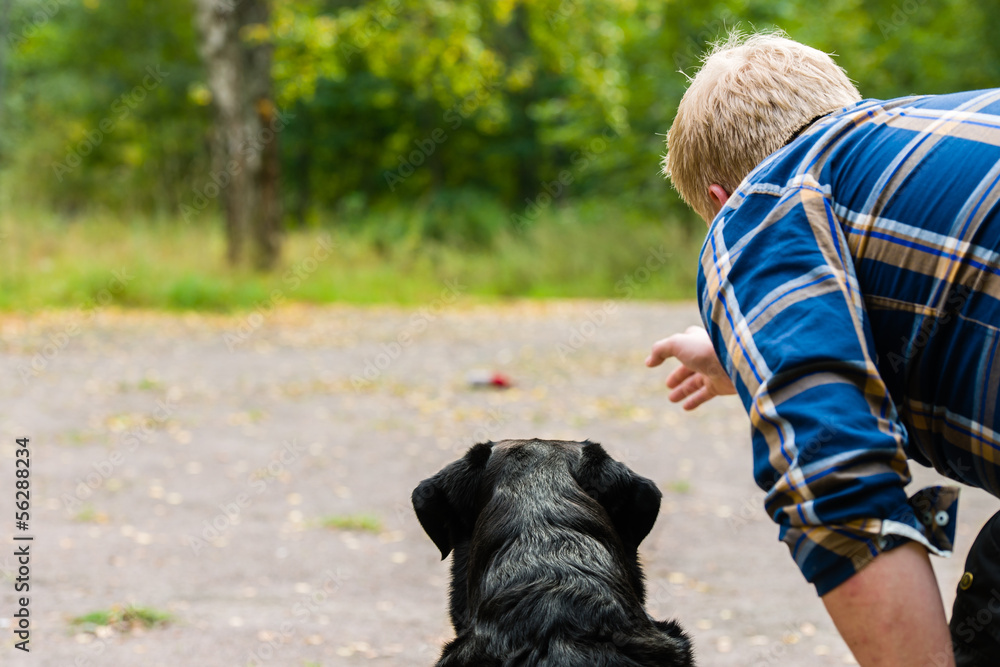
(245, 164)
(478, 114)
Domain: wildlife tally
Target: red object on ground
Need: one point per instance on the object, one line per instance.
(500, 380)
(489, 379)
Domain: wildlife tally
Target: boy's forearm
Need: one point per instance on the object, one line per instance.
(890, 613)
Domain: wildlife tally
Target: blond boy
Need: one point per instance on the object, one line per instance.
(850, 289)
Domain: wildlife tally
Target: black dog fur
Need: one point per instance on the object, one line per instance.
(545, 571)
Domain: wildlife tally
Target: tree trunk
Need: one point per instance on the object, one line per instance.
(245, 145)
(4, 47)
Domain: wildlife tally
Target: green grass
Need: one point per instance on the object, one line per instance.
(87, 514)
(589, 250)
(362, 522)
(123, 618)
(679, 486)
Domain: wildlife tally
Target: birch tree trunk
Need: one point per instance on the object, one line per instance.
(4, 47)
(245, 142)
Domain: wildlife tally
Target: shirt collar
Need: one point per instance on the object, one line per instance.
(805, 127)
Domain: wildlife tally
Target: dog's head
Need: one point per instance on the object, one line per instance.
(508, 510)
(449, 503)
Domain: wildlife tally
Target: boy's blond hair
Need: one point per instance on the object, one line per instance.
(750, 96)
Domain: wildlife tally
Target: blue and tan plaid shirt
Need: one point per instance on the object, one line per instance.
(851, 287)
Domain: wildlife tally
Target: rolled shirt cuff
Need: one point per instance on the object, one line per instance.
(830, 555)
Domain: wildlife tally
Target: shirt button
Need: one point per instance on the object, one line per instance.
(966, 581)
(941, 518)
(927, 518)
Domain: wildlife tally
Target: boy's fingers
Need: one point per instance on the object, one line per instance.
(687, 388)
(703, 395)
(662, 350)
(678, 375)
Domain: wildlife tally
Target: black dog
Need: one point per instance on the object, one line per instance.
(545, 571)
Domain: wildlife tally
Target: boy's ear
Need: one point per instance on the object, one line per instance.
(445, 504)
(718, 195)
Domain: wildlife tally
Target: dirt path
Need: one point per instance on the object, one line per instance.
(183, 463)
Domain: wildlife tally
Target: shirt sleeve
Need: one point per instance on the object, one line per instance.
(781, 303)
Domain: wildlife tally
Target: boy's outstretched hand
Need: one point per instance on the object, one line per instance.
(700, 376)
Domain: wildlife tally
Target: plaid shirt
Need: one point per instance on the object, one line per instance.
(851, 287)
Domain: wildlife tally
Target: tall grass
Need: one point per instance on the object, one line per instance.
(407, 256)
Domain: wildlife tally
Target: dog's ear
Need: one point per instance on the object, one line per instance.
(445, 503)
(632, 501)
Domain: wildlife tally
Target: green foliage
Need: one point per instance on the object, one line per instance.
(99, 93)
(412, 118)
(495, 96)
(897, 47)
